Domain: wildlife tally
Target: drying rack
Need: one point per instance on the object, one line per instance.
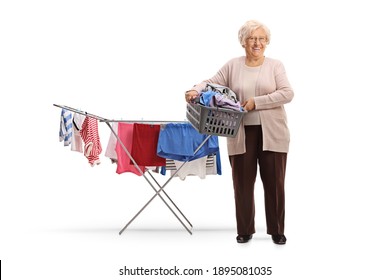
(156, 186)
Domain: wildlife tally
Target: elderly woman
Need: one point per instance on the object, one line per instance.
(263, 138)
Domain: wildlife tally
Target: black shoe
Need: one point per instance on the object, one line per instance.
(243, 238)
(279, 239)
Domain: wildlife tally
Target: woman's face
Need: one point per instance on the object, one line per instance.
(256, 43)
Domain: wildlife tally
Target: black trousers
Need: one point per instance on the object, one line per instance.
(272, 166)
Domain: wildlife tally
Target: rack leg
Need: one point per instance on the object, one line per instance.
(173, 203)
(161, 187)
(150, 200)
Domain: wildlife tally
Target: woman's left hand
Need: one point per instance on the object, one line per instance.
(249, 104)
(191, 95)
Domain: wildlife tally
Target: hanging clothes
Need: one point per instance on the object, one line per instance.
(145, 139)
(178, 141)
(77, 141)
(200, 167)
(196, 167)
(124, 164)
(65, 133)
(111, 145)
(90, 134)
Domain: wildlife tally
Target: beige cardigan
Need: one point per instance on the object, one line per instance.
(273, 90)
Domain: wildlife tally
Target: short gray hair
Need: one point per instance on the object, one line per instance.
(250, 26)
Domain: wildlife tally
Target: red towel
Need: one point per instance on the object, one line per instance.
(145, 139)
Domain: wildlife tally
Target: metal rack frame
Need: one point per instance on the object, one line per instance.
(156, 186)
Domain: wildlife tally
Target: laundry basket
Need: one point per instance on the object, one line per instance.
(214, 120)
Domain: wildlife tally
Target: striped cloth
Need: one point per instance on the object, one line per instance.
(66, 127)
(90, 134)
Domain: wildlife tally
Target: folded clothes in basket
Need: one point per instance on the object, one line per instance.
(219, 96)
(222, 101)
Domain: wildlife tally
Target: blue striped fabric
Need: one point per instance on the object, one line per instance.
(66, 127)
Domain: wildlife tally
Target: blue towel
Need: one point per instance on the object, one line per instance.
(178, 141)
(66, 128)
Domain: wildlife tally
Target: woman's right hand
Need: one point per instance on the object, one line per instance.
(191, 95)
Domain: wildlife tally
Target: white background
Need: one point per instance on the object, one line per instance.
(60, 218)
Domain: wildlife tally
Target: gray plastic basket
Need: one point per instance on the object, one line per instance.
(214, 120)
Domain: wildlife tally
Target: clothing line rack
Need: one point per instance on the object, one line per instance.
(158, 191)
(101, 119)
